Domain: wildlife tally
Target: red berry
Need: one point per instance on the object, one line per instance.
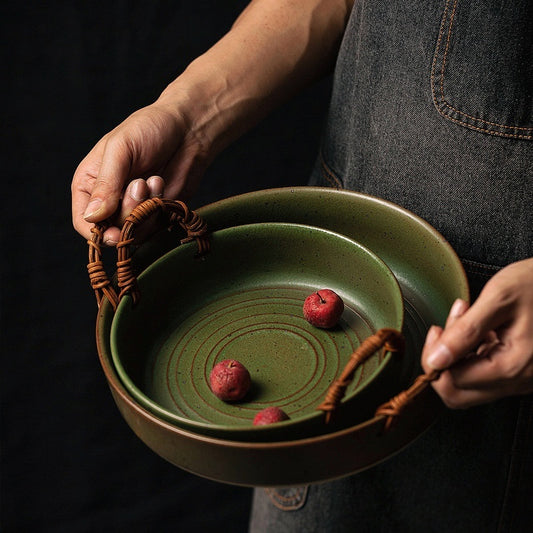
(230, 380)
(323, 308)
(270, 415)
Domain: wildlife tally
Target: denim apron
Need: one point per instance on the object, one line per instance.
(432, 109)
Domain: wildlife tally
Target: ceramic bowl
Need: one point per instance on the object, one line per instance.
(243, 301)
(431, 277)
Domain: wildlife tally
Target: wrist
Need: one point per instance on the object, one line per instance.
(204, 102)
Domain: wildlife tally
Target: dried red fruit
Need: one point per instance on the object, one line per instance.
(230, 380)
(323, 308)
(270, 415)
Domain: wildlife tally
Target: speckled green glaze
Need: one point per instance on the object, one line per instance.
(243, 301)
(430, 277)
(427, 268)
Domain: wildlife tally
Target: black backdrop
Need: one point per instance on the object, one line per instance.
(71, 71)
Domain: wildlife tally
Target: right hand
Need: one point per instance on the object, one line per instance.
(117, 174)
(485, 351)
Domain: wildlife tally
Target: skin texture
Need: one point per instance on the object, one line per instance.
(487, 348)
(273, 50)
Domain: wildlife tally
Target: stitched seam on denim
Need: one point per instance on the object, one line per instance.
(329, 175)
(473, 267)
(439, 103)
(484, 130)
(446, 103)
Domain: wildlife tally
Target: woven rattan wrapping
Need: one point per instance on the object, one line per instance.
(175, 213)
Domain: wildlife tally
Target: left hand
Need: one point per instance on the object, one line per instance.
(486, 350)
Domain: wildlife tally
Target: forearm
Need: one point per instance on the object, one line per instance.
(274, 49)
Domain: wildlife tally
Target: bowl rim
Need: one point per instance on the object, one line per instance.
(365, 444)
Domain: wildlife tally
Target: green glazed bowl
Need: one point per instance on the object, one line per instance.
(431, 277)
(243, 301)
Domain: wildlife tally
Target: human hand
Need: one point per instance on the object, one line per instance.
(119, 172)
(272, 51)
(486, 350)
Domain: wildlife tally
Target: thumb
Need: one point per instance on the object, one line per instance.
(110, 182)
(464, 334)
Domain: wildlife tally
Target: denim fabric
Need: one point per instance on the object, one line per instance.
(432, 108)
(455, 478)
(390, 132)
(491, 94)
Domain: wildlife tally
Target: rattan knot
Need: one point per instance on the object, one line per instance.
(396, 405)
(175, 213)
(97, 275)
(388, 339)
(333, 398)
(196, 228)
(98, 278)
(126, 279)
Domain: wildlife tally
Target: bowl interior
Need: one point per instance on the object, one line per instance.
(243, 301)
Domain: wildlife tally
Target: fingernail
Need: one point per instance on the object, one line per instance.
(93, 207)
(457, 308)
(156, 186)
(441, 357)
(110, 242)
(136, 192)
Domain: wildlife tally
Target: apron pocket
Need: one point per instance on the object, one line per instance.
(482, 72)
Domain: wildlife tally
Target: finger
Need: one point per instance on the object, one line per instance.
(478, 380)
(112, 176)
(455, 393)
(81, 187)
(455, 397)
(490, 341)
(79, 203)
(466, 333)
(80, 199)
(136, 192)
(111, 236)
(505, 366)
(477, 372)
(432, 336)
(156, 186)
(458, 309)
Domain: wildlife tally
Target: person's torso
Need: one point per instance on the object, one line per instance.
(432, 108)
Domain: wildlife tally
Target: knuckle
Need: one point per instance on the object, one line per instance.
(103, 186)
(467, 330)
(502, 289)
(518, 364)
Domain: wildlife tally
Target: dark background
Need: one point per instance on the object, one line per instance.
(71, 72)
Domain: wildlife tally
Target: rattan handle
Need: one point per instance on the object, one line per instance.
(387, 339)
(176, 213)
